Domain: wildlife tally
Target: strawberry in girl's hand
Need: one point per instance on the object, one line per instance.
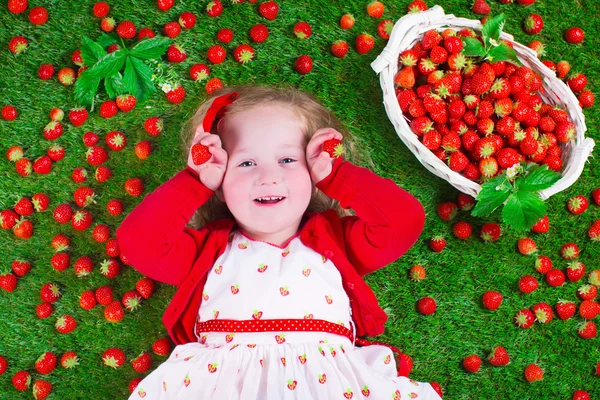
(200, 154)
(333, 147)
(324, 141)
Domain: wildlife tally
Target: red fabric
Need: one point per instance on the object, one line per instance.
(217, 109)
(156, 241)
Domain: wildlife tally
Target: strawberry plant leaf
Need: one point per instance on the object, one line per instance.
(523, 210)
(86, 87)
(91, 51)
(502, 52)
(138, 79)
(492, 195)
(114, 85)
(108, 65)
(106, 40)
(538, 179)
(472, 47)
(492, 28)
(150, 48)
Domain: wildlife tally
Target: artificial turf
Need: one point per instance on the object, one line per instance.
(456, 278)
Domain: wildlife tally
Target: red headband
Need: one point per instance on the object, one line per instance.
(217, 110)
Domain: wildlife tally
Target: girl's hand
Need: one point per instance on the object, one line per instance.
(211, 173)
(319, 162)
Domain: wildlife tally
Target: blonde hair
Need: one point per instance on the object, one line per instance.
(313, 114)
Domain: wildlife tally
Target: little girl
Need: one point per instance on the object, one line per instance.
(270, 297)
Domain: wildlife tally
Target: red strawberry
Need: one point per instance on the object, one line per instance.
(542, 225)
(302, 30)
(526, 246)
(8, 219)
(81, 220)
(594, 231)
(481, 7)
(90, 138)
(17, 45)
(142, 363)
(108, 109)
(63, 213)
(375, 9)
(113, 357)
(543, 312)
(586, 99)
(134, 186)
(259, 33)
(24, 207)
(176, 53)
(154, 125)
(116, 141)
(364, 43)
(587, 330)
(574, 35)
(587, 292)
(426, 305)
(43, 310)
(499, 356)
(176, 94)
(69, 359)
(417, 273)
(114, 207)
(533, 373)
(243, 53)
(447, 211)
(84, 196)
(38, 15)
(78, 116)
(114, 312)
(104, 295)
(126, 29)
(555, 277)
(172, 29)
(145, 287)
(589, 309)
(437, 243)
(107, 24)
(131, 300)
(303, 64)
(14, 153)
(225, 35)
(346, 21)
(334, 147)
(23, 167)
(575, 271)
(23, 229)
(214, 8)
(110, 268)
(533, 24)
(41, 389)
(96, 155)
(161, 347)
(126, 102)
(577, 204)
(565, 309)
(40, 202)
(42, 165)
(462, 230)
(49, 293)
(490, 232)
(528, 284)
(65, 324)
(8, 282)
(61, 242)
(569, 251)
(269, 10)
(46, 71)
(60, 261)
(53, 130)
(492, 300)
(21, 380)
(17, 6)
(472, 363)
(21, 267)
(79, 175)
(45, 363)
(543, 264)
(213, 84)
(100, 9)
(87, 300)
(339, 48)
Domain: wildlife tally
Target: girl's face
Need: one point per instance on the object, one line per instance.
(266, 158)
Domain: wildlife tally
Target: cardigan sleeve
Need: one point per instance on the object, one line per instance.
(154, 237)
(388, 219)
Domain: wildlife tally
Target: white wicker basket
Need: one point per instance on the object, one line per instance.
(407, 31)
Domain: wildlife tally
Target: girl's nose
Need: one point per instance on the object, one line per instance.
(268, 176)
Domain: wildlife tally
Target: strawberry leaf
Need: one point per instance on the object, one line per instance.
(502, 52)
(492, 28)
(472, 47)
(86, 87)
(150, 48)
(108, 65)
(114, 85)
(106, 40)
(522, 210)
(138, 79)
(492, 195)
(91, 51)
(538, 179)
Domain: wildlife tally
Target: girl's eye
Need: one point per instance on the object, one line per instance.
(242, 164)
(291, 159)
(245, 162)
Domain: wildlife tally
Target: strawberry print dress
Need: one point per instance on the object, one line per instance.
(255, 280)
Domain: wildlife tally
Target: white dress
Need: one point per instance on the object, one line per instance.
(259, 280)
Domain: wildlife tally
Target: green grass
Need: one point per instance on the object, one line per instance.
(456, 278)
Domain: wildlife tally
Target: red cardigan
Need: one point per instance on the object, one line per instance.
(156, 241)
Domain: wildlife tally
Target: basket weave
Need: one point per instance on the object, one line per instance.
(410, 29)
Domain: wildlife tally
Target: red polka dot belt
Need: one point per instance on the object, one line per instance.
(287, 325)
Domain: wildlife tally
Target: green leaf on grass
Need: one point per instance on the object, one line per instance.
(91, 51)
(150, 48)
(522, 210)
(492, 195)
(86, 87)
(138, 79)
(114, 85)
(108, 65)
(492, 28)
(472, 47)
(538, 179)
(106, 40)
(502, 52)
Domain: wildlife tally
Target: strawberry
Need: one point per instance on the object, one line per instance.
(78, 116)
(96, 155)
(142, 363)
(176, 53)
(38, 15)
(528, 284)
(437, 243)
(589, 309)
(594, 231)
(49, 293)
(53, 130)
(533, 24)
(113, 357)
(562, 69)
(225, 35)
(243, 53)
(126, 102)
(533, 373)
(134, 186)
(565, 309)
(41, 389)
(543, 264)
(145, 287)
(302, 30)
(214, 8)
(110, 268)
(79, 175)
(17, 45)
(87, 300)
(492, 300)
(426, 305)
(259, 33)
(472, 363)
(187, 20)
(100, 9)
(587, 330)
(60, 261)
(131, 300)
(581, 395)
(42, 165)
(161, 347)
(107, 24)
(69, 360)
(154, 125)
(430, 39)
(60, 242)
(8, 282)
(526, 246)
(417, 6)
(66, 76)
(63, 213)
(84, 196)
(405, 78)
(108, 109)
(116, 141)
(176, 94)
(587, 292)
(575, 271)
(577, 204)
(21, 267)
(8, 219)
(417, 273)
(90, 138)
(569, 251)
(303, 64)
(17, 6)
(14, 153)
(43, 310)
(447, 211)
(586, 99)
(24, 207)
(462, 230)
(213, 84)
(375, 9)
(23, 229)
(364, 43)
(104, 295)
(126, 29)
(543, 312)
(333, 147)
(216, 54)
(339, 48)
(46, 71)
(555, 277)
(81, 220)
(542, 225)
(114, 207)
(269, 10)
(347, 21)
(576, 82)
(458, 161)
(481, 7)
(45, 363)
(574, 35)
(3, 365)
(113, 312)
(65, 324)
(499, 356)
(490, 232)
(21, 380)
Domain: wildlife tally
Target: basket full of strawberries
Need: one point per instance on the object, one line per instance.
(482, 112)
